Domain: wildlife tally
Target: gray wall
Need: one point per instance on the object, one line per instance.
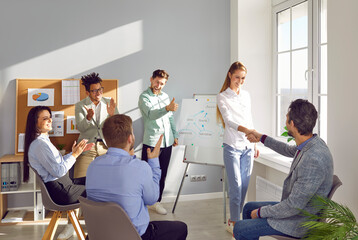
(125, 40)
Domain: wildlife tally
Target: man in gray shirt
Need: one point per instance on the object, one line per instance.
(311, 173)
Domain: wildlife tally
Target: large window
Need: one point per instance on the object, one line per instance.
(300, 57)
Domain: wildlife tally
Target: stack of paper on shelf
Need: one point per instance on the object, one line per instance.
(14, 216)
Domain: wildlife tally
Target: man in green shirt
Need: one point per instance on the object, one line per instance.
(157, 112)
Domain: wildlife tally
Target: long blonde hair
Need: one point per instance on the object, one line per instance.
(234, 67)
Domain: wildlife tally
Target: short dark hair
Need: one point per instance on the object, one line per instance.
(160, 73)
(116, 130)
(89, 79)
(31, 133)
(304, 115)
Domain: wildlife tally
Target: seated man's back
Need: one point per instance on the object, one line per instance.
(118, 176)
(121, 178)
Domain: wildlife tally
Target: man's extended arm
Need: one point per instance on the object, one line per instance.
(147, 108)
(151, 187)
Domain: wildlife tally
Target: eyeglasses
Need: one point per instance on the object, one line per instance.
(100, 90)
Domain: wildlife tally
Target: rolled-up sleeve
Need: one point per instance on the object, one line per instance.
(149, 110)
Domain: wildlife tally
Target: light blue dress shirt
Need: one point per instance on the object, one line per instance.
(157, 120)
(47, 160)
(124, 179)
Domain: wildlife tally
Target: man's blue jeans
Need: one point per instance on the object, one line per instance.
(238, 165)
(252, 229)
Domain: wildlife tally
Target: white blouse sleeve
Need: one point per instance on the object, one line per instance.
(226, 114)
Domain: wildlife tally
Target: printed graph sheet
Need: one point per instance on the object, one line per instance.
(70, 92)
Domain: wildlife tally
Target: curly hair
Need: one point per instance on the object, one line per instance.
(89, 79)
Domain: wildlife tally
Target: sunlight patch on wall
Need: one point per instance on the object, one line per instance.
(82, 56)
(128, 99)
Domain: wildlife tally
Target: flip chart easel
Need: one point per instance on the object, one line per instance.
(202, 137)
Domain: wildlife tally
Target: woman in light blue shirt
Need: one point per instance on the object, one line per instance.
(47, 160)
(53, 168)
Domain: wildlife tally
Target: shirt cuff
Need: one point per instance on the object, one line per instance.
(263, 138)
(258, 213)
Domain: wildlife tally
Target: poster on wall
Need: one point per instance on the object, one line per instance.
(58, 127)
(40, 97)
(70, 92)
(21, 142)
(71, 127)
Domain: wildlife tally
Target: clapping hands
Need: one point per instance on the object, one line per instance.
(111, 107)
(81, 147)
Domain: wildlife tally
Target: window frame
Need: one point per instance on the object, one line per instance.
(313, 59)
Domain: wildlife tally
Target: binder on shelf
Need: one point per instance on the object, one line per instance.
(14, 176)
(5, 177)
(40, 210)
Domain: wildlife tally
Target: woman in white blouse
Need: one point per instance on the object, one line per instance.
(49, 163)
(234, 111)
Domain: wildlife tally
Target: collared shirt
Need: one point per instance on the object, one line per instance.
(97, 115)
(124, 179)
(236, 111)
(157, 120)
(91, 130)
(47, 160)
(299, 147)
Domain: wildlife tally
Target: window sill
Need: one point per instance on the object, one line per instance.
(273, 160)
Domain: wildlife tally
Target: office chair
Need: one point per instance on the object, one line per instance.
(49, 204)
(335, 185)
(107, 220)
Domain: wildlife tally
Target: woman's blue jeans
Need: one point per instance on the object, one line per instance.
(252, 229)
(238, 165)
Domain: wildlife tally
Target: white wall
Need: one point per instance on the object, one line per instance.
(342, 102)
(124, 40)
(251, 43)
(254, 51)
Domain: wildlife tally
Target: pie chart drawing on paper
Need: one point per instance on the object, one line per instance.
(40, 97)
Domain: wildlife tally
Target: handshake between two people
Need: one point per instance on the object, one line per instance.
(253, 136)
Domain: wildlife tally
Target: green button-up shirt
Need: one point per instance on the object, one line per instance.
(156, 119)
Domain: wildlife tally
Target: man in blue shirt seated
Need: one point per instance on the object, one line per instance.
(118, 176)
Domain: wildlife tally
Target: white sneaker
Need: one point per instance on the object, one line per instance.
(230, 227)
(66, 233)
(158, 208)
